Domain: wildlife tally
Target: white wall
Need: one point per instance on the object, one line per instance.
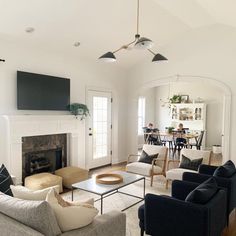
(208, 52)
(212, 96)
(82, 73)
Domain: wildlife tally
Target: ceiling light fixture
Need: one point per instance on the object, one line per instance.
(29, 30)
(77, 44)
(138, 43)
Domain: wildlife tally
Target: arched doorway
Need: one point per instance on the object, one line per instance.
(207, 81)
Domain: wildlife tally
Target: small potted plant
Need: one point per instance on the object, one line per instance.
(78, 109)
(175, 99)
(170, 129)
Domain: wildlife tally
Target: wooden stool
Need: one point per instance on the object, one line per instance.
(71, 175)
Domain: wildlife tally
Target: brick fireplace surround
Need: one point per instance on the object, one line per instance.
(14, 128)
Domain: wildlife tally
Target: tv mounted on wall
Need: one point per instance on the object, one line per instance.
(42, 92)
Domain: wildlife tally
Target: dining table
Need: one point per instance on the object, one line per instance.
(170, 136)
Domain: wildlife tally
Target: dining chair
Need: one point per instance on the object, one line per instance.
(178, 142)
(198, 142)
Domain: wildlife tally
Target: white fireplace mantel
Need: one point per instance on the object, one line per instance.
(14, 127)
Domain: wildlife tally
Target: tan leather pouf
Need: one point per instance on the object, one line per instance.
(43, 180)
(71, 175)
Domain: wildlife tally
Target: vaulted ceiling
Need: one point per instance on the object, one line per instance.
(105, 25)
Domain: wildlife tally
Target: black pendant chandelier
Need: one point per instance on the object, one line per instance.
(138, 43)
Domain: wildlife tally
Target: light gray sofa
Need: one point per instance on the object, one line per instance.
(36, 218)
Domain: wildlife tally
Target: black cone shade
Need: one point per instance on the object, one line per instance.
(159, 57)
(108, 57)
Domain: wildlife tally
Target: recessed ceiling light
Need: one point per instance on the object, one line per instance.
(77, 44)
(29, 30)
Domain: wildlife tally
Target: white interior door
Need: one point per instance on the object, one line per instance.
(99, 129)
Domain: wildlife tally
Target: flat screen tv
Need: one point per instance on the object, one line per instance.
(42, 92)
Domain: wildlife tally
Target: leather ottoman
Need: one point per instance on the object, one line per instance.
(43, 180)
(71, 175)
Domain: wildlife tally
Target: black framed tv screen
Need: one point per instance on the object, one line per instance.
(42, 92)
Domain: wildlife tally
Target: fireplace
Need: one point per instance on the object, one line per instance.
(45, 153)
(16, 129)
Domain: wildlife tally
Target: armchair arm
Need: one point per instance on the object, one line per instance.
(195, 177)
(165, 216)
(169, 161)
(181, 189)
(207, 169)
(13, 179)
(132, 155)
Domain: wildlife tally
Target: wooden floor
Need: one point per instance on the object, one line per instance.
(229, 231)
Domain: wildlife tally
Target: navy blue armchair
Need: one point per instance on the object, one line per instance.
(229, 184)
(172, 216)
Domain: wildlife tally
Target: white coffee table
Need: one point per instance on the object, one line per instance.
(104, 190)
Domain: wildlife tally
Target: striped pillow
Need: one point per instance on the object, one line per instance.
(5, 181)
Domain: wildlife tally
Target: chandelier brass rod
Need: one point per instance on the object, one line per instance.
(137, 16)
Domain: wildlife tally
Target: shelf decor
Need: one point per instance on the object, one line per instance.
(184, 98)
(175, 99)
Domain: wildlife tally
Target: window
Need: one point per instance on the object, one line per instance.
(141, 114)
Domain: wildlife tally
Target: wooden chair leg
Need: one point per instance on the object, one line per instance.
(151, 179)
(167, 183)
(141, 232)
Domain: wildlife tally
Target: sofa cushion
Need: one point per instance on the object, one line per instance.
(177, 173)
(226, 170)
(5, 181)
(71, 217)
(145, 158)
(189, 164)
(142, 168)
(35, 214)
(204, 192)
(22, 192)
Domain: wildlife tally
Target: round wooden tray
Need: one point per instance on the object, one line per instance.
(109, 178)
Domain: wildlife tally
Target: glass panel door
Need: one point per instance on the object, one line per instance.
(99, 130)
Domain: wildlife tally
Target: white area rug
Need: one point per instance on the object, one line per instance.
(120, 201)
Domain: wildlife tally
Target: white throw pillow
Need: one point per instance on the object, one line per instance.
(73, 216)
(24, 193)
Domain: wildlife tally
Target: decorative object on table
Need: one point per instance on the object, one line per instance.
(138, 42)
(109, 178)
(79, 109)
(170, 129)
(175, 99)
(184, 98)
